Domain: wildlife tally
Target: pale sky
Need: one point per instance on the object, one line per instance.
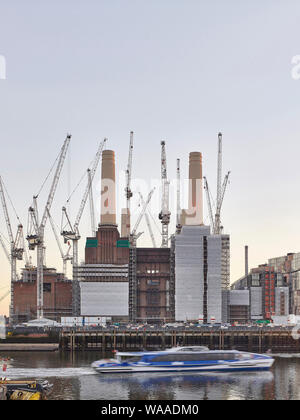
(178, 70)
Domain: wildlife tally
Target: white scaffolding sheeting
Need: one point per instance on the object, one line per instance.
(239, 298)
(256, 303)
(214, 279)
(189, 272)
(104, 298)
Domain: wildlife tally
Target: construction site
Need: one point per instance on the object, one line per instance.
(185, 277)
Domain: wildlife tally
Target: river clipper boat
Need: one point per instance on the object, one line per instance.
(184, 359)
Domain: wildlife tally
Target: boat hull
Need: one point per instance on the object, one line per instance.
(184, 359)
(263, 365)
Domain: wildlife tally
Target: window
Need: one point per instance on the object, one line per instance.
(152, 282)
(130, 359)
(153, 299)
(47, 287)
(200, 357)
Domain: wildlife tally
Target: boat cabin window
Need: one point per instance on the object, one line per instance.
(200, 357)
(130, 359)
(193, 349)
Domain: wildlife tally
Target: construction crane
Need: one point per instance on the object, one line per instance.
(16, 246)
(92, 208)
(148, 221)
(69, 231)
(165, 214)
(218, 227)
(64, 255)
(210, 211)
(221, 189)
(27, 262)
(134, 235)
(128, 192)
(178, 215)
(36, 230)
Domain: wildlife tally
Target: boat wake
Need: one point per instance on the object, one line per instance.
(15, 373)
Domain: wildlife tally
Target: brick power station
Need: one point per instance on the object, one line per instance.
(187, 281)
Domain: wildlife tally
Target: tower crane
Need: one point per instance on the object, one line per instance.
(128, 192)
(16, 246)
(210, 211)
(218, 227)
(36, 230)
(148, 221)
(28, 262)
(70, 232)
(22, 245)
(64, 255)
(221, 189)
(92, 208)
(165, 214)
(134, 235)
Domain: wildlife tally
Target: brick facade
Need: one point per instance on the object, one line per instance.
(57, 296)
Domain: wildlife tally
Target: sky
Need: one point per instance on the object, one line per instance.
(173, 70)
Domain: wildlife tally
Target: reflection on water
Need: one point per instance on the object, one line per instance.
(73, 378)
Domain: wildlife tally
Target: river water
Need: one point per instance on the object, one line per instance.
(73, 379)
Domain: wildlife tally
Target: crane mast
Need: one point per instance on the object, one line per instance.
(217, 224)
(221, 189)
(37, 231)
(165, 214)
(16, 247)
(128, 192)
(218, 227)
(128, 172)
(92, 208)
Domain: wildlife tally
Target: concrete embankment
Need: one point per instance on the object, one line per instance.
(28, 347)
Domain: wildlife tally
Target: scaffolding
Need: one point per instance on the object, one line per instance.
(132, 284)
(172, 279)
(225, 262)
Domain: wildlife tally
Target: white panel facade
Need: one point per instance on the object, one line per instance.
(189, 276)
(214, 279)
(104, 298)
(239, 298)
(256, 303)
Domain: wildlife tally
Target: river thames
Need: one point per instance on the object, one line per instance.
(74, 379)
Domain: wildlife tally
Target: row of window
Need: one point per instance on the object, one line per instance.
(201, 357)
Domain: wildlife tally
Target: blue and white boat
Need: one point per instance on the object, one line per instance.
(184, 359)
